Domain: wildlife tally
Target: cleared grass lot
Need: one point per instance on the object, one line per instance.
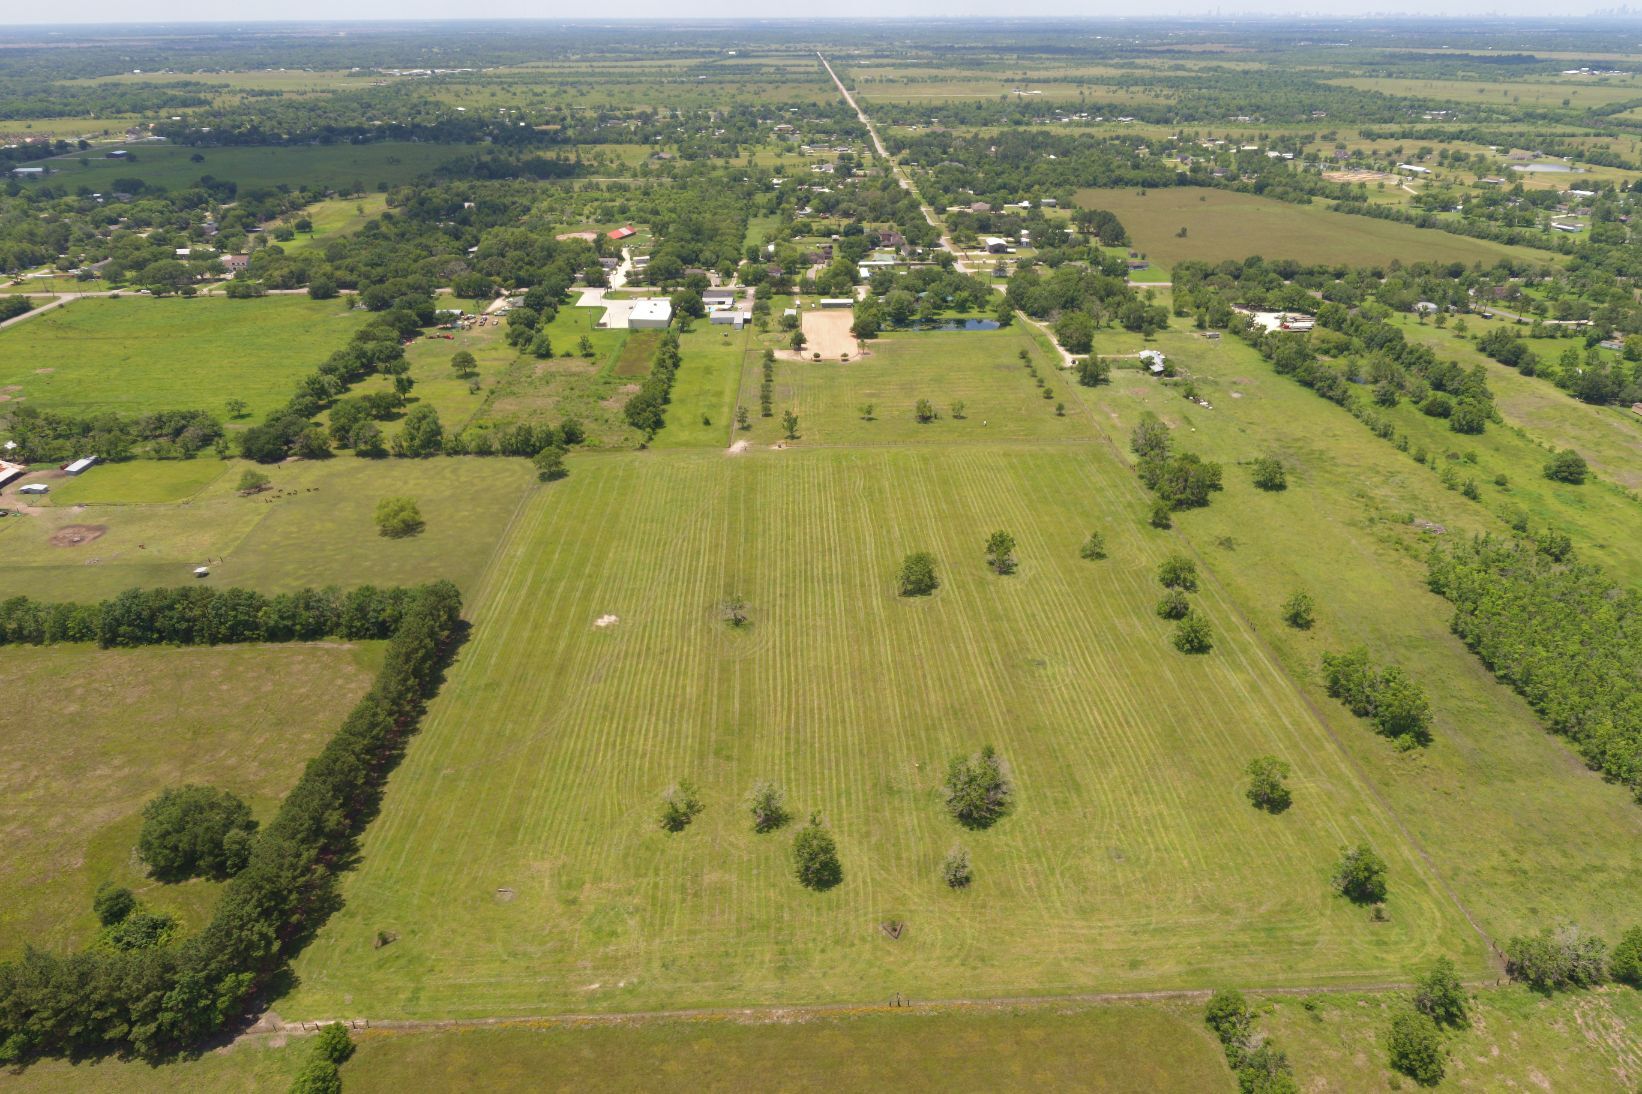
(323, 166)
(134, 355)
(91, 735)
(1221, 224)
(981, 369)
(312, 527)
(517, 855)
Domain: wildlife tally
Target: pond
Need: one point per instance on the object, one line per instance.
(1559, 168)
(952, 324)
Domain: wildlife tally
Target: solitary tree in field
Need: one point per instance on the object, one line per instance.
(767, 805)
(679, 806)
(958, 410)
(917, 574)
(796, 342)
(1566, 466)
(1298, 611)
(1192, 634)
(865, 410)
(463, 363)
(1267, 789)
(1178, 572)
(1000, 552)
(789, 425)
(978, 789)
(195, 831)
(1269, 473)
(1094, 547)
(815, 856)
(236, 408)
(735, 612)
(398, 517)
(1360, 876)
(550, 463)
(924, 412)
(252, 482)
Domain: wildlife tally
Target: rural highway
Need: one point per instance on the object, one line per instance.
(958, 261)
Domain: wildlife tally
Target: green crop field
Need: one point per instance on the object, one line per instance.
(91, 735)
(313, 526)
(135, 355)
(1511, 818)
(1221, 224)
(518, 859)
(327, 166)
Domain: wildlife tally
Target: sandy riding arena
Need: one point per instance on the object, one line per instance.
(828, 333)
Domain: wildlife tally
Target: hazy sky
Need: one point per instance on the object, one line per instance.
(153, 11)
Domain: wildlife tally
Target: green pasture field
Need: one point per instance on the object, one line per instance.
(91, 735)
(702, 408)
(47, 285)
(517, 855)
(1518, 1040)
(1608, 437)
(550, 390)
(138, 482)
(1577, 93)
(334, 217)
(291, 80)
(980, 368)
(1511, 818)
(338, 166)
(313, 527)
(134, 355)
(1222, 224)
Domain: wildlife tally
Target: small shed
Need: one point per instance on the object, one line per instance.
(34, 488)
(1153, 360)
(79, 465)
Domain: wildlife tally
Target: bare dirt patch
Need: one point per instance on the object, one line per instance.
(75, 535)
(737, 449)
(828, 333)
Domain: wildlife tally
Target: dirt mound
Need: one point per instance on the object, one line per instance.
(73, 535)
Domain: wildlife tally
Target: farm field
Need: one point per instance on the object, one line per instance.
(981, 369)
(326, 166)
(1221, 224)
(515, 887)
(1507, 812)
(335, 217)
(91, 735)
(1493, 92)
(136, 355)
(313, 527)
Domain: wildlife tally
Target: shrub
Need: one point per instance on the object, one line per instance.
(815, 856)
(1440, 996)
(1227, 1014)
(1414, 1047)
(955, 868)
(1269, 473)
(1267, 790)
(978, 790)
(186, 833)
(1161, 515)
(141, 930)
(1563, 957)
(1094, 547)
(924, 412)
(1395, 702)
(917, 574)
(1178, 572)
(1297, 611)
(1192, 634)
(768, 806)
(1625, 965)
(1566, 466)
(1360, 876)
(398, 517)
(252, 482)
(334, 1044)
(1174, 605)
(679, 806)
(112, 903)
(1000, 552)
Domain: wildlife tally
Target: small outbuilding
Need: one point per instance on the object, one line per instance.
(1153, 360)
(34, 488)
(79, 465)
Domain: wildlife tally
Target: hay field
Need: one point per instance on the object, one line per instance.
(134, 355)
(91, 735)
(517, 855)
(1221, 224)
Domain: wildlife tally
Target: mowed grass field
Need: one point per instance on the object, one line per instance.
(518, 858)
(1523, 832)
(333, 218)
(1221, 224)
(313, 527)
(134, 355)
(90, 736)
(981, 369)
